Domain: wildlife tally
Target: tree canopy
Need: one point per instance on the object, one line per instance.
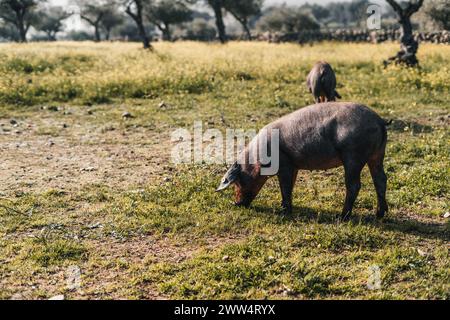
(51, 21)
(20, 14)
(439, 12)
(285, 19)
(165, 13)
(243, 10)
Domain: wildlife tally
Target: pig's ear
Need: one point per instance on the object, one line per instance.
(230, 177)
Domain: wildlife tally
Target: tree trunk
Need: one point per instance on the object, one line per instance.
(23, 34)
(22, 29)
(144, 36)
(137, 17)
(247, 31)
(51, 36)
(167, 34)
(244, 23)
(96, 25)
(408, 45)
(98, 38)
(107, 34)
(18, 21)
(217, 7)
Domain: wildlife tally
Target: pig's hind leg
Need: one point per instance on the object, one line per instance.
(353, 167)
(379, 180)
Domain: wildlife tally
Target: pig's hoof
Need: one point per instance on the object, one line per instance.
(343, 217)
(286, 211)
(380, 215)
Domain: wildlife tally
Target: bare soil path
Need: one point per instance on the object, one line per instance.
(38, 154)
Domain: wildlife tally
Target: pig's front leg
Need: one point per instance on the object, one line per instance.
(287, 176)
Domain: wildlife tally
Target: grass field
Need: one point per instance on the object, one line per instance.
(82, 186)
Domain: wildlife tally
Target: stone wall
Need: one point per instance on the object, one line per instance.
(348, 35)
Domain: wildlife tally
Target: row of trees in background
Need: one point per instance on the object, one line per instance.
(18, 16)
(205, 19)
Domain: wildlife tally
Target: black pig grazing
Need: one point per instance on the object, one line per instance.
(321, 83)
(318, 137)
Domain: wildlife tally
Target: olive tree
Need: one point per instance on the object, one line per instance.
(50, 21)
(136, 10)
(217, 6)
(112, 18)
(200, 29)
(20, 14)
(243, 10)
(287, 19)
(439, 12)
(408, 45)
(165, 13)
(99, 14)
(8, 32)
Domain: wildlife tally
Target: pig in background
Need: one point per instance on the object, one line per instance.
(321, 82)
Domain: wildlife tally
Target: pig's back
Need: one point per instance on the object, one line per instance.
(315, 137)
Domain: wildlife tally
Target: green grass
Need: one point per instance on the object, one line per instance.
(176, 237)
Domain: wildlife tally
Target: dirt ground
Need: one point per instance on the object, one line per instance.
(46, 153)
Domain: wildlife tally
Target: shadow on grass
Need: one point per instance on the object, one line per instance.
(412, 226)
(400, 223)
(400, 125)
